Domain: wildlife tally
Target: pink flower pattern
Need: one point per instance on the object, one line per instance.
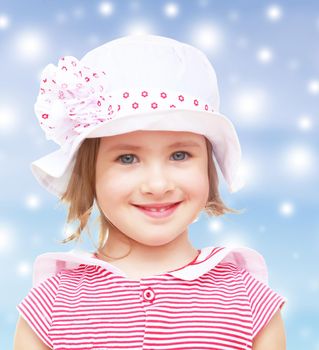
(72, 99)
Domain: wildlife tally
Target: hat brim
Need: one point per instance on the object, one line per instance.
(54, 170)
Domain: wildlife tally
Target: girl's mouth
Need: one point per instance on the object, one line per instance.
(159, 212)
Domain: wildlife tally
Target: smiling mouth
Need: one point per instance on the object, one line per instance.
(159, 212)
(157, 207)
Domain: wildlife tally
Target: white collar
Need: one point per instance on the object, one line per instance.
(50, 263)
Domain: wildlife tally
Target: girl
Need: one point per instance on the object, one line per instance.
(138, 125)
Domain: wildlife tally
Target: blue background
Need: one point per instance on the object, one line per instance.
(266, 56)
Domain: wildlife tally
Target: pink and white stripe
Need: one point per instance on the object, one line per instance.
(91, 307)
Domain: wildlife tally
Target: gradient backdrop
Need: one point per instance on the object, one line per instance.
(266, 56)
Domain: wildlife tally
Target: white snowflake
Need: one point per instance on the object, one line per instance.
(299, 160)
(305, 122)
(106, 8)
(4, 21)
(24, 269)
(234, 240)
(249, 104)
(207, 36)
(286, 208)
(215, 225)
(274, 13)
(8, 119)
(265, 55)
(313, 87)
(30, 45)
(32, 201)
(171, 10)
(6, 238)
(138, 28)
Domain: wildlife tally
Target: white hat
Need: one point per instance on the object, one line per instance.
(138, 82)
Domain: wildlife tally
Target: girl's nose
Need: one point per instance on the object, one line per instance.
(156, 181)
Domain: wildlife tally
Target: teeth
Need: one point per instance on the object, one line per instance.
(158, 209)
(155, 209)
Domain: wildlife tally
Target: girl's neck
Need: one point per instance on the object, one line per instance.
(145, 260)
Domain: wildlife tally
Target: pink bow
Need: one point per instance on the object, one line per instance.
(70, 100)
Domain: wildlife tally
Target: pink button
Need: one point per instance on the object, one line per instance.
(149, 294)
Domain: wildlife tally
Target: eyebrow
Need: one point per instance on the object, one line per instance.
(125, 146)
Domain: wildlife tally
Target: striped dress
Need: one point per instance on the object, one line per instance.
(221, 300)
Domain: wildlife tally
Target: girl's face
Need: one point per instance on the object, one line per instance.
(148, 170)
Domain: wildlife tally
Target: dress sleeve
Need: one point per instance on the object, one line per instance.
(36, 307)
(263, 300)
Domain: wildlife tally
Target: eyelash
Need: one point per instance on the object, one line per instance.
(130, 154)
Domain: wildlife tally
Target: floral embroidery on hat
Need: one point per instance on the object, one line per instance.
(163, 94)
(69, 101)
(144, 93)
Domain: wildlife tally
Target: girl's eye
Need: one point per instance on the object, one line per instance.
(181, 153)
(125, 158)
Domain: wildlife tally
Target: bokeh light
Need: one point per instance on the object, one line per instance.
(30, 45)
(32, 201)
(233, 240)
(274, 13)
(298, 160)
(305, 122)
(313, 87)
(248, 171)
(8, 119)
(171, 10)
(4, 21)
(24, 269)
(286, 208)
(208, 37)
(265, 55)
(6, 238)
(249, 104)
(139, 28)
(215, 225)
(106, 8)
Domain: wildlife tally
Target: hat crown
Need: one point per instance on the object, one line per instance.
(144, 82)
(153, 62)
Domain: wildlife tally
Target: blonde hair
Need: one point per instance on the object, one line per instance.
(80, 194)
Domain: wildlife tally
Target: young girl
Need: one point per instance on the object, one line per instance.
(138, 125)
